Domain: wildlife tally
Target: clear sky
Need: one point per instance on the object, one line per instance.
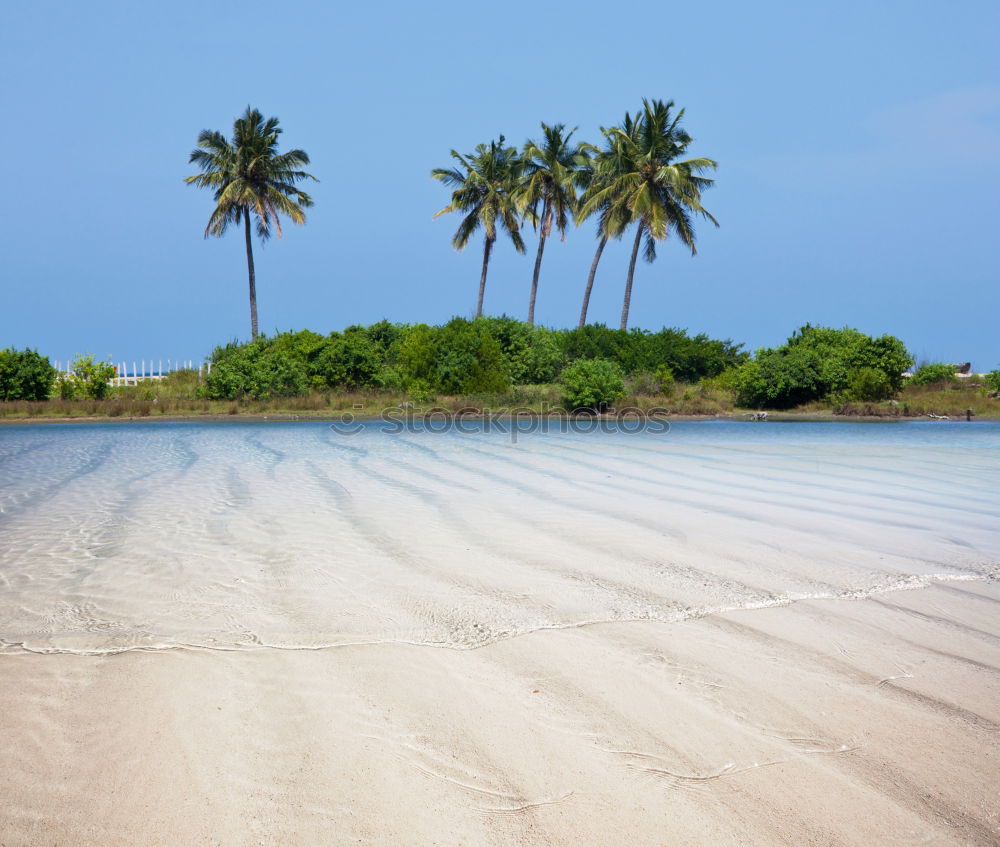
(858, 142)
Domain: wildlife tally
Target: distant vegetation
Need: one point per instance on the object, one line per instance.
(485, 356)
(503, 362)
(932, 374)
(88, 379)
(823, 364)
(25, 375)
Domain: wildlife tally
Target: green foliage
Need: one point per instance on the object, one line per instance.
(304, 346)
(461, 357)
(928, 374)
(485, 189)
(817, 363)
(351, 360)
(664, 379)
(642, 173)
(534, 354)
(88, 379)
(661, 381)
(482, 356)
(689, 358)
(25, 375)
(992, 380)
(255, 371)
(641, 177)
(868, 385)
(551, 173)
(592, 384)
(249, 176)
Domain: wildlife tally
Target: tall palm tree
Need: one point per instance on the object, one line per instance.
(659, 192)
(485, 186)
(552, 172)
(250, 178)
(613, 217)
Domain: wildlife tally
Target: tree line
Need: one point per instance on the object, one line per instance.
(506, 360)
(639, 178)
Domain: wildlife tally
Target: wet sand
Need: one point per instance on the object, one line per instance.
(600, 643)
(826, 722)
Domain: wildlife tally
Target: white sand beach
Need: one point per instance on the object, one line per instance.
(726, 635)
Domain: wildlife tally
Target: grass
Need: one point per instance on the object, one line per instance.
(176, 396)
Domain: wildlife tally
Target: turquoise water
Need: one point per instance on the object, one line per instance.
(237, 535)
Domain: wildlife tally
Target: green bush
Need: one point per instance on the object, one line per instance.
(25, 375)
(461, 357)
(817, 363)
(534, 354)
(868, 385)
(928, 374)
(484, 356)
(661, 381)
(351, 360)
(592, 384)
(688, 358)
(87, 379)
(992, 380)
(254, 371)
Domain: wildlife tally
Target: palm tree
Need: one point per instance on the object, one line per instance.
(613, 218)
(552, 172)
(485, 186)
(250, 177)
(659, 193)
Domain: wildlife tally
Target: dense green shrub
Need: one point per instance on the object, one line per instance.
(351, 360)
(383, 334)
(592, 384)
(87, 379)
(661, 381)
(489, 355)
(483, 356)
(304, 346)
(992, 380)
(868, 385)
(255, 371)
(928, 374)
(637, 350)
(461, 357)
(534, 354)
(25, 375)
(817, 363)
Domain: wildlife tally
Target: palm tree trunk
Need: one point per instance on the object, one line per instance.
(253, 281)
(542, 233)
(590, 279)
(482, 279)
(628, 282)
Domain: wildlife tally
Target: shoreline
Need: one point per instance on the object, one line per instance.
(764, 726)
(305, 417)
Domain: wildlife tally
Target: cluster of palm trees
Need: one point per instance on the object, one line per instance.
(639, 178)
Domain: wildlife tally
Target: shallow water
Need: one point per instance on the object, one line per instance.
(298, 536)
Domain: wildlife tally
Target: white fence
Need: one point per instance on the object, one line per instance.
(143, 370)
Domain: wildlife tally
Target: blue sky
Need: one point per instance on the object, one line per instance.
(859, 178)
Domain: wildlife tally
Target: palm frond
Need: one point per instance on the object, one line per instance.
(249, 175)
